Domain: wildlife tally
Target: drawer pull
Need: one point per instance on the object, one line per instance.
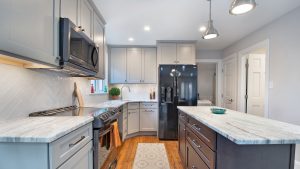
(196, 127)
(197, 145)
(73, 144)
(193, 167)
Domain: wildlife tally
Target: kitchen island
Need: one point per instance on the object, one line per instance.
(234, 140)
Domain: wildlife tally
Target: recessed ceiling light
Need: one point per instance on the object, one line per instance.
(202, 29)
(147, 28)
(130, 39)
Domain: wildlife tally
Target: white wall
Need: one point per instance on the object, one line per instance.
(209, 54)
(284, 41)
(24, 91)
(206, 81)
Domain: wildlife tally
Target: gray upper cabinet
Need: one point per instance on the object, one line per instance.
(166, 53)
(186, 53)
(28, 29)
(70, 9)
(98, 37)
(140, 65)
(118, 65)
(149, 68)
(134, 65)
(86, 17)
(176, 53)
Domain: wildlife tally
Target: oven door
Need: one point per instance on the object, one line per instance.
(105, 152)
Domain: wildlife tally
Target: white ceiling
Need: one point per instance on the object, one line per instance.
(181, 19)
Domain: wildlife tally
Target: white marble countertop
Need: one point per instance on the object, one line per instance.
(40, 129)
(243, 128)
(118, 103)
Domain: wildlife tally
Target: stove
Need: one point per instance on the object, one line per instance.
(102, 116)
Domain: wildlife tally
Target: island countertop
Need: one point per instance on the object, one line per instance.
(243, 129)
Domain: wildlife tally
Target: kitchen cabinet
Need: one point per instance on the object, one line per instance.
(133, 121)
(98, 37)
(29, 29)
(70, 9)
(86, 17)
(176, 53)
(181, 142)
(166, 53)
(125, 121)
(118, 65)
(134, 65)
(149, 68)
(193, 161)
(186, 53)
(148, 119)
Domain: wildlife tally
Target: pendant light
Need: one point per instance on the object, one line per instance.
(239, 7)
(210, 32)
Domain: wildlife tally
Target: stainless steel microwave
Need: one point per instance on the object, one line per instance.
(78, 53)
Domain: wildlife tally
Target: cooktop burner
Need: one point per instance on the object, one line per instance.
(102, 116)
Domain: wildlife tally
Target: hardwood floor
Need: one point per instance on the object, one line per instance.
(128, 150)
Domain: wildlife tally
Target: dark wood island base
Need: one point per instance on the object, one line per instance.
(202, 148)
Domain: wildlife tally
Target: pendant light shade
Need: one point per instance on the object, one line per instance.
(210, 32)
(241, 6)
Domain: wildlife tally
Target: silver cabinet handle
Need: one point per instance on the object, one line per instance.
(193, 167)
(197, 145)
(74, 144)
(196, 127)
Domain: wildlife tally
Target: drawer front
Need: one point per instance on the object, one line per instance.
(66, 146)
(206, 154)
(207, 135)
(132, 106)
(148, 105)
(182, 116)
(193, 161)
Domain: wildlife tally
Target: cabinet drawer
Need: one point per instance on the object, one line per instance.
(193, 161)
(182, 116)
(148, 105)
(207, 135)
(66, 146)
(206, 154)
(132, 106)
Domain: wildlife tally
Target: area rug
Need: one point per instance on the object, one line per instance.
(151, 156)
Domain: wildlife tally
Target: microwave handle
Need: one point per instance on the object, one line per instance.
(92, 56)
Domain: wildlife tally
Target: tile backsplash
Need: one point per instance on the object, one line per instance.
(23, 91)
(137, 91)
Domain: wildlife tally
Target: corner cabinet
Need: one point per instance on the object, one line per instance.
(29, 29)
(98, 36)
(176, 53)
(132, 65)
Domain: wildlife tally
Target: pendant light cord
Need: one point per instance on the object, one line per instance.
(209, 10)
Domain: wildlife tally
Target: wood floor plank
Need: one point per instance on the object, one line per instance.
(128, 150)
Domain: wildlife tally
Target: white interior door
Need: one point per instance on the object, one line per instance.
(230, 83)
(256, 84)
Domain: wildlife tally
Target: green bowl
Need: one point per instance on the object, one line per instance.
(218, 110)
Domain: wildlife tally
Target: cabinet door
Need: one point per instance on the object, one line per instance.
(125, 122)
(149, 67)
(181, 142)
(82, 159)
(28, 28)
(133, 121)
(86, 17)
(134, 65)
(166, 53)
(193, 160)
(186, 54)
(98, 37)
(148, 119)
(69, 9)
(118, 65)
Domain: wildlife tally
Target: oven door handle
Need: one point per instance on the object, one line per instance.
(106, 131)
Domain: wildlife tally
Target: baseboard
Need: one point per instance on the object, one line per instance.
(297, 164)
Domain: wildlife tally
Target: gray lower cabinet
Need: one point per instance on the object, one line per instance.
(72, 151)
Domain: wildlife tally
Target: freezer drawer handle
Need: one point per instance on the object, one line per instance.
(73, 144)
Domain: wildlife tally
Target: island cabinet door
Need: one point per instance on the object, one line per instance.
(193, 161)
(181, 142)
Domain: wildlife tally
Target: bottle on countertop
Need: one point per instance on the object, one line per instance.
(153, 94)
(92, 88)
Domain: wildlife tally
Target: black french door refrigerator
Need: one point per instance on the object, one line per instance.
(177, 87)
